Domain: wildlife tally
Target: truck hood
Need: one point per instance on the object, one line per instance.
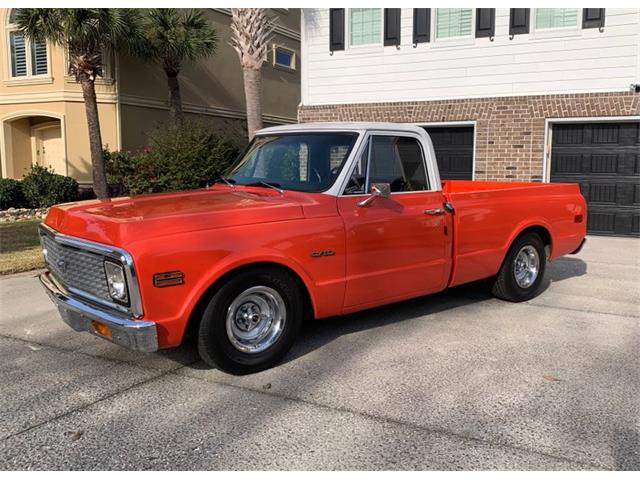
(120, 221)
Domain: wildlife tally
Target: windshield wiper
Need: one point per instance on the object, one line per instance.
(260, 183)
(228, 181)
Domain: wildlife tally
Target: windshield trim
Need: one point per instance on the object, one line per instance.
(357, 135)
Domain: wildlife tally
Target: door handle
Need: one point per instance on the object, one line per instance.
(434, 211)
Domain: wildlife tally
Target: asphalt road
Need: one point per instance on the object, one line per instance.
(457, 380)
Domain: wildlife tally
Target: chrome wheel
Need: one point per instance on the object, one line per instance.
(255, 319)
(526, 266)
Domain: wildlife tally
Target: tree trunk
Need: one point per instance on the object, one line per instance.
(100, 187)
(253, 97)
(175, 99)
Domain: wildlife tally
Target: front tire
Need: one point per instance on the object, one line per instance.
(251, 322)
(521, 274)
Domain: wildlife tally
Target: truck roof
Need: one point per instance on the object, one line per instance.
(343, 126)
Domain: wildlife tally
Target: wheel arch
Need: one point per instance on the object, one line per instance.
(201, 304)
(540, 229)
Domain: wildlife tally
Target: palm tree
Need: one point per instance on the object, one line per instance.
(88, 34)
(251, 31)
(172, 37)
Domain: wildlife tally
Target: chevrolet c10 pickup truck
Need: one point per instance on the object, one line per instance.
(311, 221)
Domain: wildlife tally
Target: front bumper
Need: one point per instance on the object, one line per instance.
(138, 335)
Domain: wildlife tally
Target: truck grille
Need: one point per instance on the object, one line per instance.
(76, 269)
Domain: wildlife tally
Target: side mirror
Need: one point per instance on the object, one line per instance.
(382, 190)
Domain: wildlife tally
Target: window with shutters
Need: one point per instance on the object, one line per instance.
(365, 26)
(547, 18)
(27, 57)
(453, 22)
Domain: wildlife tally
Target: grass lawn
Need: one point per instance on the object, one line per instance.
(20, 247)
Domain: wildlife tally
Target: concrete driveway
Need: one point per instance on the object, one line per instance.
(457, 380)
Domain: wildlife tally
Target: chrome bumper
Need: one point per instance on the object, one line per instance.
(138, 335)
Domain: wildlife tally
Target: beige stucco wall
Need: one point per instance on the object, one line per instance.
(58, 97)
(212, 89)
(75, 134)
(134, 99)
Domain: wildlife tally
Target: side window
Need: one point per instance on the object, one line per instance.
(398, 161)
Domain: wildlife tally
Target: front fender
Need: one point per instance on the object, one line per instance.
(239, 260)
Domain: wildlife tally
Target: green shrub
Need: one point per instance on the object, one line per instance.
(178, 158)
(11, 195)
(43, 188)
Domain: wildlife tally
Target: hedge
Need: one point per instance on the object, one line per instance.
(178, 158)
(41, 187)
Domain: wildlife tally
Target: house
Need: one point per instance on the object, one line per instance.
(42, 114)
(549, 94)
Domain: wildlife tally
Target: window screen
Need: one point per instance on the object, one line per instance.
(454, 22)
(366, 26)
(556, 17)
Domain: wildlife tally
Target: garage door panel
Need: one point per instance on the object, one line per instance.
(611, 222)
(605, 133)
(454, 151)
(604, 159)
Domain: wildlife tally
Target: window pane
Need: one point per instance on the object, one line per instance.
(284, 58)
(410, 153)
(38, 58)
(398, 162)
(18, 54)
(454, 22)
(556, 17)
(366, 26)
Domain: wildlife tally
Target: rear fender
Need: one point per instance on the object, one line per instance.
(526, 224)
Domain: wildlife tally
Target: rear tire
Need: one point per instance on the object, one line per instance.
(251, 322)
(522, 271)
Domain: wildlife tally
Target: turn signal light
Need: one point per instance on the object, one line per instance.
(167, 279)
(578, 218)
(101, 329)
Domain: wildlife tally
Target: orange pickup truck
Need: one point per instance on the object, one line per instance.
(311, 221)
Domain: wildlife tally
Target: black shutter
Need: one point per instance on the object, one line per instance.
(592, 17)
(336, 29)
(485, 22)
(518, 21)
(421, 25)
(391, 26)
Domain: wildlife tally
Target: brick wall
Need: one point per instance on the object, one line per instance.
(509, 130)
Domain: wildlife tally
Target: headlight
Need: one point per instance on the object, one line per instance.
(116, 281)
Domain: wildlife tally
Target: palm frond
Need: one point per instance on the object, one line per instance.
(251, 32)
(175, 36)
(86, 32)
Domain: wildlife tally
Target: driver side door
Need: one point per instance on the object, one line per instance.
(397, 247)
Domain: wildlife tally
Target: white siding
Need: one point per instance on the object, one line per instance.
(554, 61)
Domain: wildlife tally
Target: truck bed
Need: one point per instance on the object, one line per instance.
(488, 214)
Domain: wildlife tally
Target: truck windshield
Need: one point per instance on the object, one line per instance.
(306, 162)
